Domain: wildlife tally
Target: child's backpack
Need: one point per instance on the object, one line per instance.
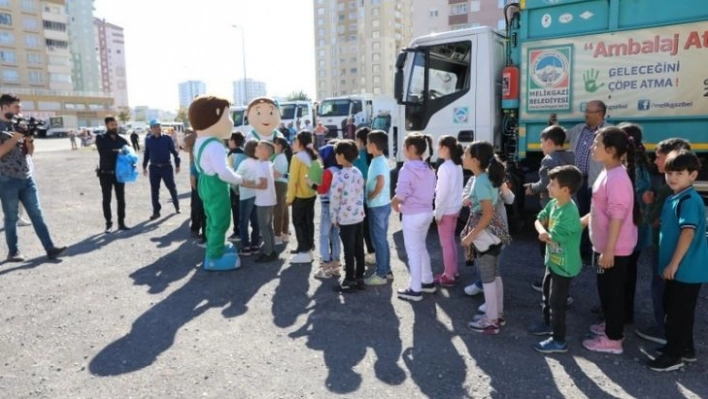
(315, 172)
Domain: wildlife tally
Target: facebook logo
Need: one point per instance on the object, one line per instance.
(583, 105)
(644, 105)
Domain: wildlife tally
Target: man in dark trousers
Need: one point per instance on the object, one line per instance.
(158, 148)
(109, 145)
(135, 141)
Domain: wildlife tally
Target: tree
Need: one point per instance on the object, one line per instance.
(182, 116)
(298, 96)
(124, 115)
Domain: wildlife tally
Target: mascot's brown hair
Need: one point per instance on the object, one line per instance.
(205, 111)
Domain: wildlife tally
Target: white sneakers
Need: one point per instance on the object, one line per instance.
(22, 222)
(302, 257)
(473, 290)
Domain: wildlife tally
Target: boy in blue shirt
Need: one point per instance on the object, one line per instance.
(683, 259)
(378, 200)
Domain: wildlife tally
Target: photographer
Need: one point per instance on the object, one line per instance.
(16, 181)
(109, 145)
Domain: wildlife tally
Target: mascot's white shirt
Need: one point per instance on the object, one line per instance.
(214, 162)
(250, 136)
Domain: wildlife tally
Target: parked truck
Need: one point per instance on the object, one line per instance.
(645, 59)
(334, 112)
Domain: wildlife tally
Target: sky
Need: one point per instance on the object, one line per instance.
(171, 41)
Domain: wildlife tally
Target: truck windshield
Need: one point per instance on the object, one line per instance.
(447, 71)
(287, 111)
(334, 108)
(381, 122)
(237, 116)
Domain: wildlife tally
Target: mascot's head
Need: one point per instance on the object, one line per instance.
(263, 115)
(209, 116)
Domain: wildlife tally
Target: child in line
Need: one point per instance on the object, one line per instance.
(197, 214)
(378, 197)
(613, 234)
(655, 202)
(683, 261)
(362, 163)
(248, 168)
(642, 184)
(281, 213)
(347, 212)
(489, 173)
(558, 226)
(265, 200)
(506, 197)
(236, 156)
(552, 139)
(302, 197)
(414, 201)
(448, 203)
(330, 246)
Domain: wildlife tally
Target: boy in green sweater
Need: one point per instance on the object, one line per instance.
(655, 203)
(558, 225)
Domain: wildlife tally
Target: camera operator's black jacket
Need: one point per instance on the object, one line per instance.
(106, 151)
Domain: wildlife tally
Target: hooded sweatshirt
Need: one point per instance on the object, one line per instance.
(550, 161)
(416, 187)
(297, 183)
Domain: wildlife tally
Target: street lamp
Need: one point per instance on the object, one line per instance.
(243, 55)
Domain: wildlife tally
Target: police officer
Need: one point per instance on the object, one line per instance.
(158, 148)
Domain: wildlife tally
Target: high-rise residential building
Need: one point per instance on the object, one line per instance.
(253, 89)
(432, 16)
(82, 44)
(188, 90)
(36, 64)
(356, 43)
(110, 51)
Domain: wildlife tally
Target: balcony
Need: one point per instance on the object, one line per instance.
(59, 93)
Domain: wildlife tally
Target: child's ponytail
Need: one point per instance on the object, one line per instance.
(454, 148)
(305, 140)
(483, 151)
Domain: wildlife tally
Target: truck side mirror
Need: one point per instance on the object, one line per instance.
(398, 77)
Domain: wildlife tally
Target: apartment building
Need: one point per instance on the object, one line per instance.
(188, 90)
(243, 94)
(432, 16)
(82, 44)
(36, 64)
(110, 51)
(356, 43)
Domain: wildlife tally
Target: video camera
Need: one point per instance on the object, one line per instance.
(28, 127)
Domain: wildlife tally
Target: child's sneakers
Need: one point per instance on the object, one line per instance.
(328, 270)
(541, 329)
(375, 279)
(302, 257)
(428, 288)
(551, 346)
(485, 326)
(604, 345)
(445, 281)
(665, 363)
(500, 320)
(473, 290)
(410, 295)
(278, 240)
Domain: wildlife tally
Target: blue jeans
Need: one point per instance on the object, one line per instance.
(330, 244)
(12, 192)
(247, 212)
(378, 224)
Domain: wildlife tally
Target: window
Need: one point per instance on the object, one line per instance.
(35, 77)
(447, 72)
(475, 5)
(374, 12)
(4, 3)
(58, 60)
(375, 34)
(433, 12)
(34, 59)
(96, 107)
(10, 75)
(459, 9)
(29, 23)
(32, 41)
(376, 46)
(60, 77)
(58, 26)
(352, 16)
(28, 5)
(320, 11)
(501, 3)
(376, 57)
(501, 24)
(375, 23)
(343, 71)
(375, 2)
(7, 56)
(5, 19)
(49, 105)
(376, 69)
(353, 70)
(57, 43)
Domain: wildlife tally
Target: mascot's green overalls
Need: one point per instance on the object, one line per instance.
(217, 205)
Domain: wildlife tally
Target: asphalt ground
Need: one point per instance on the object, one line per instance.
(131, 315)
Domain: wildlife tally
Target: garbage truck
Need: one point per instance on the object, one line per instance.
(645, 59)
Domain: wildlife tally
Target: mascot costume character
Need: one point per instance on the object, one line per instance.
(209, 117)
(263, 115)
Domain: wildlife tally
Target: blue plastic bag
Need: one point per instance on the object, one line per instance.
(127, 165)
